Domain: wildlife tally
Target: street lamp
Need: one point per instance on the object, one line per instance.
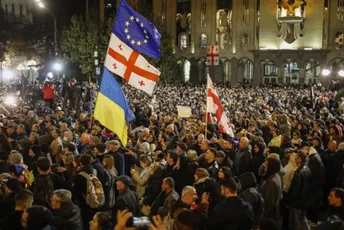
(326, 72)
(7, 74)
(57, 66)
(41, 5)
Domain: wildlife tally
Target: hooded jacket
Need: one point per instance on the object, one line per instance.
(233, 213)
(186, 218)
(271, 189)
(334, 167)
(67, 218)
(318, 178)
(289, 172)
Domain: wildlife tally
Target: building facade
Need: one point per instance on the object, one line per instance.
(260, 41)
(18, 10)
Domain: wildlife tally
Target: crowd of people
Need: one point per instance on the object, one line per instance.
(283, 169)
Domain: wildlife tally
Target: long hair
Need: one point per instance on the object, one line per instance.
(43, 189)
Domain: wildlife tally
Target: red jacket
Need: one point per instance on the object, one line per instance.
(48, 91)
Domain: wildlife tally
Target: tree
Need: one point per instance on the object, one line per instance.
(167, 63)
(82, 38)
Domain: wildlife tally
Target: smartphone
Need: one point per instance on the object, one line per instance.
(141, 222)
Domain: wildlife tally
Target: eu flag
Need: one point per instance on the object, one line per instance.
(137, 31)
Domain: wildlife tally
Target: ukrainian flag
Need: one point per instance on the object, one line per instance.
(112, 109)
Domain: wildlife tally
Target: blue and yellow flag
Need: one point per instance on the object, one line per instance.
(137, 31)
(112, 108)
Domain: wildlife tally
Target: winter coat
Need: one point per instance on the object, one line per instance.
(289, 173)
(318, 178)
(210, 186)
(118, 156)
(250, 194)
(232, 214)
(334, 167)
(12, 221)
(299, 187)
(140, 180)
(257, 160)
(243, 161)
(170, 200)
(271, 191)
(67, 217)
(186, 218)
(153, 187)
(126, 200)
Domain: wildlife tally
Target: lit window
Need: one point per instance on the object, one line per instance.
(183, 42)
(203, 41)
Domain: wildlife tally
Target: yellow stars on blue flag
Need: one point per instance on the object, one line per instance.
(137, 31)
(137, 42)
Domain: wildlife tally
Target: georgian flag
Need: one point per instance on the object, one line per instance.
(130, 65)
(214, 106)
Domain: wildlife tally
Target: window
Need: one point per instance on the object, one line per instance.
(183, 42)
(203, 13)
(21, 10)
(6, 10)
(13, 9)
(203, 41)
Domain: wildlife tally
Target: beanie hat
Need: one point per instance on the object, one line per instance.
(13, 184)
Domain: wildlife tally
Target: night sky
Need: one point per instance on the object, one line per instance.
(64, 10)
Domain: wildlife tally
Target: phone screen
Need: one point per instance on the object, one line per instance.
(141, 221)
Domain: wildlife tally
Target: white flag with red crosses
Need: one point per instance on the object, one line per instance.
(130, 65)
(213, 56)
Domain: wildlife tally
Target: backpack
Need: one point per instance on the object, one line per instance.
(95, 197)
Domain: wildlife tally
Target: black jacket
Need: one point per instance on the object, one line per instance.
(153, 188)
(185, 215)
(232, 214)
(298, 191)
(334, 167)
(243, 161)
(67, 218)
(126, 200)
(250, 193)
(210, 186)
(118, 156)
(7, 206)
(318, 178)
(12, 221)
(337, 211)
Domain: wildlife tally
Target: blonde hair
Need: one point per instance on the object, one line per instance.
(201, 173)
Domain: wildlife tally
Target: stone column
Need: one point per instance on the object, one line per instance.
(171, 19)
(234, 71)
(302, 75)
(256, 74)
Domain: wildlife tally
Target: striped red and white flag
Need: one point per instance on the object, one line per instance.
(214, 106)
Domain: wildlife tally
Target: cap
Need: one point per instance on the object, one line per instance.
(13, 184)
(124, 179)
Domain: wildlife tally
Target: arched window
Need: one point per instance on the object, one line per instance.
(203, 13)
(203, 41)
(183, 42)
(187, 66)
